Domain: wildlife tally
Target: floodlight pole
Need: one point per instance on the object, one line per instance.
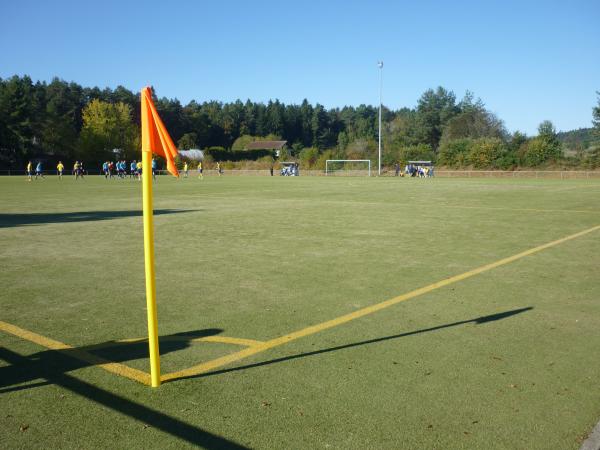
(380, 65)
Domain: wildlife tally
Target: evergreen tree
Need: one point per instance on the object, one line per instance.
(596, 117)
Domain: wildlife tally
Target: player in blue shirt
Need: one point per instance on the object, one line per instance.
(38, 170)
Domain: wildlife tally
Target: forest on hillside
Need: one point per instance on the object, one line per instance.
(66, 121)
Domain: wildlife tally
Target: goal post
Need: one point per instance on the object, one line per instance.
(351, 167)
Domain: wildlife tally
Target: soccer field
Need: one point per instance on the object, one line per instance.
(305, 312)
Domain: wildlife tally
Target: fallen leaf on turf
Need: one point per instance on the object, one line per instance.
(466, 432)
(146, 426)
(23, 427)
(265, 404)
(475, 421)
(429, 426)
(513, 385)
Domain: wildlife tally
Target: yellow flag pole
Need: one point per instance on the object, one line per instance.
(149, 263)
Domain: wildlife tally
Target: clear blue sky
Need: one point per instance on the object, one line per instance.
(528, 61)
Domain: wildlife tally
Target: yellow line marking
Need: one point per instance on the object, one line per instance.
(255, 347)
(276, 342)
(217, 339)
(125, 341)
(112, 367)
(229, 340)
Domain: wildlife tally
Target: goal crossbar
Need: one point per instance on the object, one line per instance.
(345, 161)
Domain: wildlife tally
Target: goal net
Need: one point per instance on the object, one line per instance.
(348, 167)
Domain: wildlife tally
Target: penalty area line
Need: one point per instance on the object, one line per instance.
(282, 340)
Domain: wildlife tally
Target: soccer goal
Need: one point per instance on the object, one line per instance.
(348, 167)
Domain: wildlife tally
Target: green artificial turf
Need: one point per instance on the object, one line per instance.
(505, 359)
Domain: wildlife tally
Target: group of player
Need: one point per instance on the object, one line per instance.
(418, 171)
(78, 170)
(111, 169)
(199, 169)
(119, 169)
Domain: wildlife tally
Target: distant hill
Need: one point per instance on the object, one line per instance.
(580, 139)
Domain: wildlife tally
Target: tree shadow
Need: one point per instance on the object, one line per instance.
(67, 360)
(121, 405)
(478, 321)
(29, 219)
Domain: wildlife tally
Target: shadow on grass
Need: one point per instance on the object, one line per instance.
(478, 321)
(67, 360)
(123, 351)
(175, 427)
(19, 220)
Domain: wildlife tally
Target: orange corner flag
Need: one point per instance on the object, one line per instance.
(155, 137)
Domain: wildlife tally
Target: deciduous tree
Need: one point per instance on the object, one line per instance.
(107, 127)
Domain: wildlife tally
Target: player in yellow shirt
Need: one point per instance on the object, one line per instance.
(139, 170)
(185, 170)
(29, 169)
(59, 168)
(200, 170)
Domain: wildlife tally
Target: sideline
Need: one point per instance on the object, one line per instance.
(112, 367)
(276, 342)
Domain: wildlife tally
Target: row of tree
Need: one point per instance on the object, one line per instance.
(60, 120)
